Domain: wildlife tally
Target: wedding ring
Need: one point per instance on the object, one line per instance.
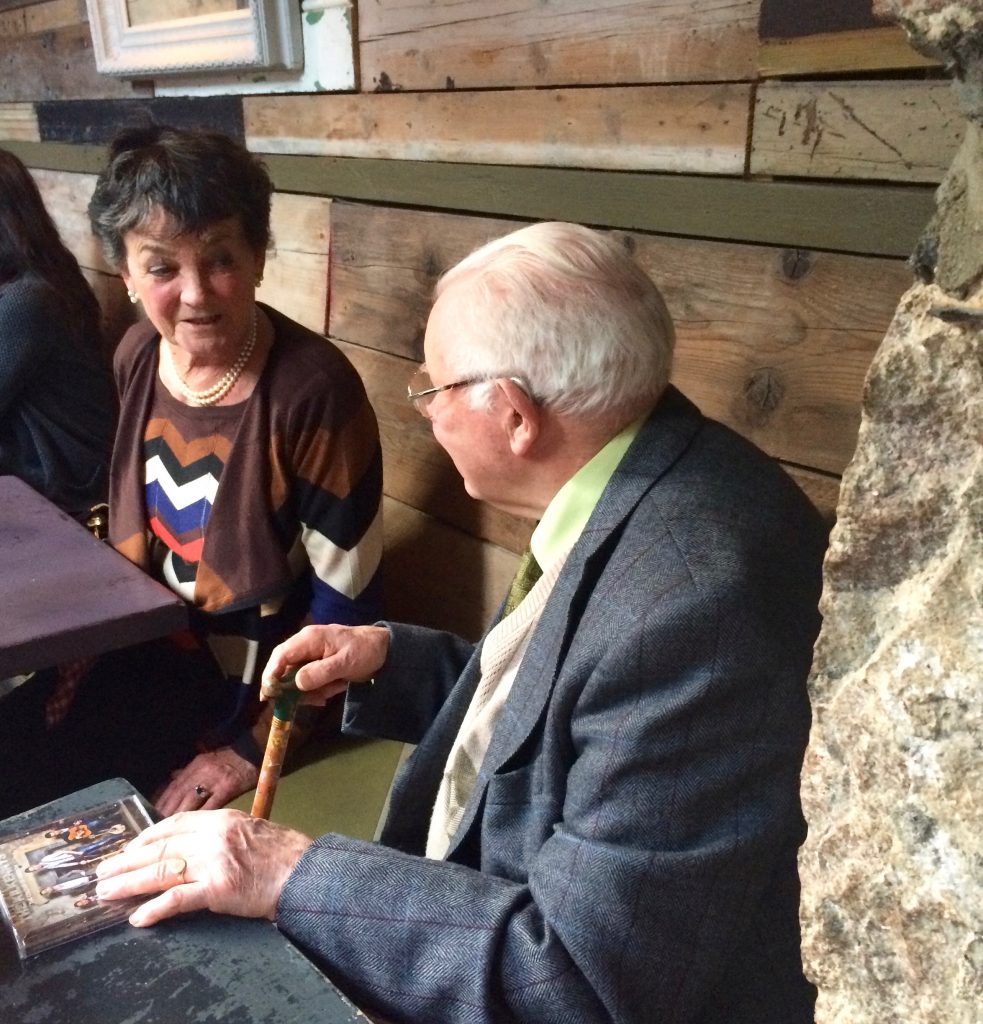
(180, 872)
(200, 790)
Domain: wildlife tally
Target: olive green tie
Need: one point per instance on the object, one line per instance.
(525, 578)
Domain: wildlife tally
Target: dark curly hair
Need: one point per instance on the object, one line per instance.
(197, 177)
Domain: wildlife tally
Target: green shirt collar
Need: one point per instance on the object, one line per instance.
(567, 514)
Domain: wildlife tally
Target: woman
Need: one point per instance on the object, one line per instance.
(246, 473)
(57, 407)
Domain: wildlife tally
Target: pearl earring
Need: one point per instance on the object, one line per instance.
(133, 297)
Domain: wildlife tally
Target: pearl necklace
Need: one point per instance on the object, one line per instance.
(218, 391)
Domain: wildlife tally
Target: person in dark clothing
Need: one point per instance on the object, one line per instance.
(57, 401)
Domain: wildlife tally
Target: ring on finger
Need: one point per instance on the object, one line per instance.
(200, 790)
(180, 868)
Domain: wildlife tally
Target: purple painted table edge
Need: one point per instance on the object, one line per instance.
(64, 594)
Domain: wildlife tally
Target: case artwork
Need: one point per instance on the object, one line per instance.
(47, 875)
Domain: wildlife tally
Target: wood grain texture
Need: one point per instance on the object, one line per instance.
(67, 195)
(881, 219)
(419, 474)
(406, 45)
(774, 342)
(295, 280)
(56, 63)
(19, 121)
(384, 264)
(897, 130)
(416, 470)
(29, 18)
(872, 49)
(438, 576)
(694, 128)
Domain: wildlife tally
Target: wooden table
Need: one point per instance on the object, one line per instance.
(64, 594)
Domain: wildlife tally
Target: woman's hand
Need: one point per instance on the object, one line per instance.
(330, 657)
(210, 781)
(223, 861)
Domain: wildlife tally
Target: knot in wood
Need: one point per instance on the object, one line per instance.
(432, 265)
(796, 263)
(764, 391)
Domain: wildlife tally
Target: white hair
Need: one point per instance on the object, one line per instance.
(566, 309)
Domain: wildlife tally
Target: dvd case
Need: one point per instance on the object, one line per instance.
(48, 880)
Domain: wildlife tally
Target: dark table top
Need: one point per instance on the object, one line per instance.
(198, 969)
(64, 594)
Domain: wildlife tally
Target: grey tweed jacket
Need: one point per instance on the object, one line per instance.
(629, 852)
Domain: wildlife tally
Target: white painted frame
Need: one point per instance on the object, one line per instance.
(264, 36)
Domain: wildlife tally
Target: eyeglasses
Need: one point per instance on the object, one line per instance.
(420, 391)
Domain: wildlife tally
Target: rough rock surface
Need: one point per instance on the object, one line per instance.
(892, 871)
(893, 783)
(951, 250)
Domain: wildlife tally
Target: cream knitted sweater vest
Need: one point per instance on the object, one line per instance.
(501, 656)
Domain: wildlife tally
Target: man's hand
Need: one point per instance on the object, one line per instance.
(223, 861)
(209, 781)
(331, 657)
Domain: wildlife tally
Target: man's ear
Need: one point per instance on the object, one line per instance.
(523, 417)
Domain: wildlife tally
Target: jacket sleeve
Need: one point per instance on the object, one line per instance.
(406, 696)
(675, 774)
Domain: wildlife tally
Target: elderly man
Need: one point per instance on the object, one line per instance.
(601, 816)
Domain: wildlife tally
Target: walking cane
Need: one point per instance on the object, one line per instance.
(284, 707)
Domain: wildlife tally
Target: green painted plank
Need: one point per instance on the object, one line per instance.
(58, 156)
(884, 220)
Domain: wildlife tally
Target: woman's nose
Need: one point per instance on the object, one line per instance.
(193, 288)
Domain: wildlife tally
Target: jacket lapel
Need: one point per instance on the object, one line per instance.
(663, 439)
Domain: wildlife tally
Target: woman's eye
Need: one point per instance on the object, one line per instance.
(159, 271)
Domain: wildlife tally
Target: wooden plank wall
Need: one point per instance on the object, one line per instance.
(46, 54)
(747, 108)
(694, 128)
(471, 44)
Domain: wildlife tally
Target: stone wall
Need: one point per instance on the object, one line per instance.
(893, 783)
